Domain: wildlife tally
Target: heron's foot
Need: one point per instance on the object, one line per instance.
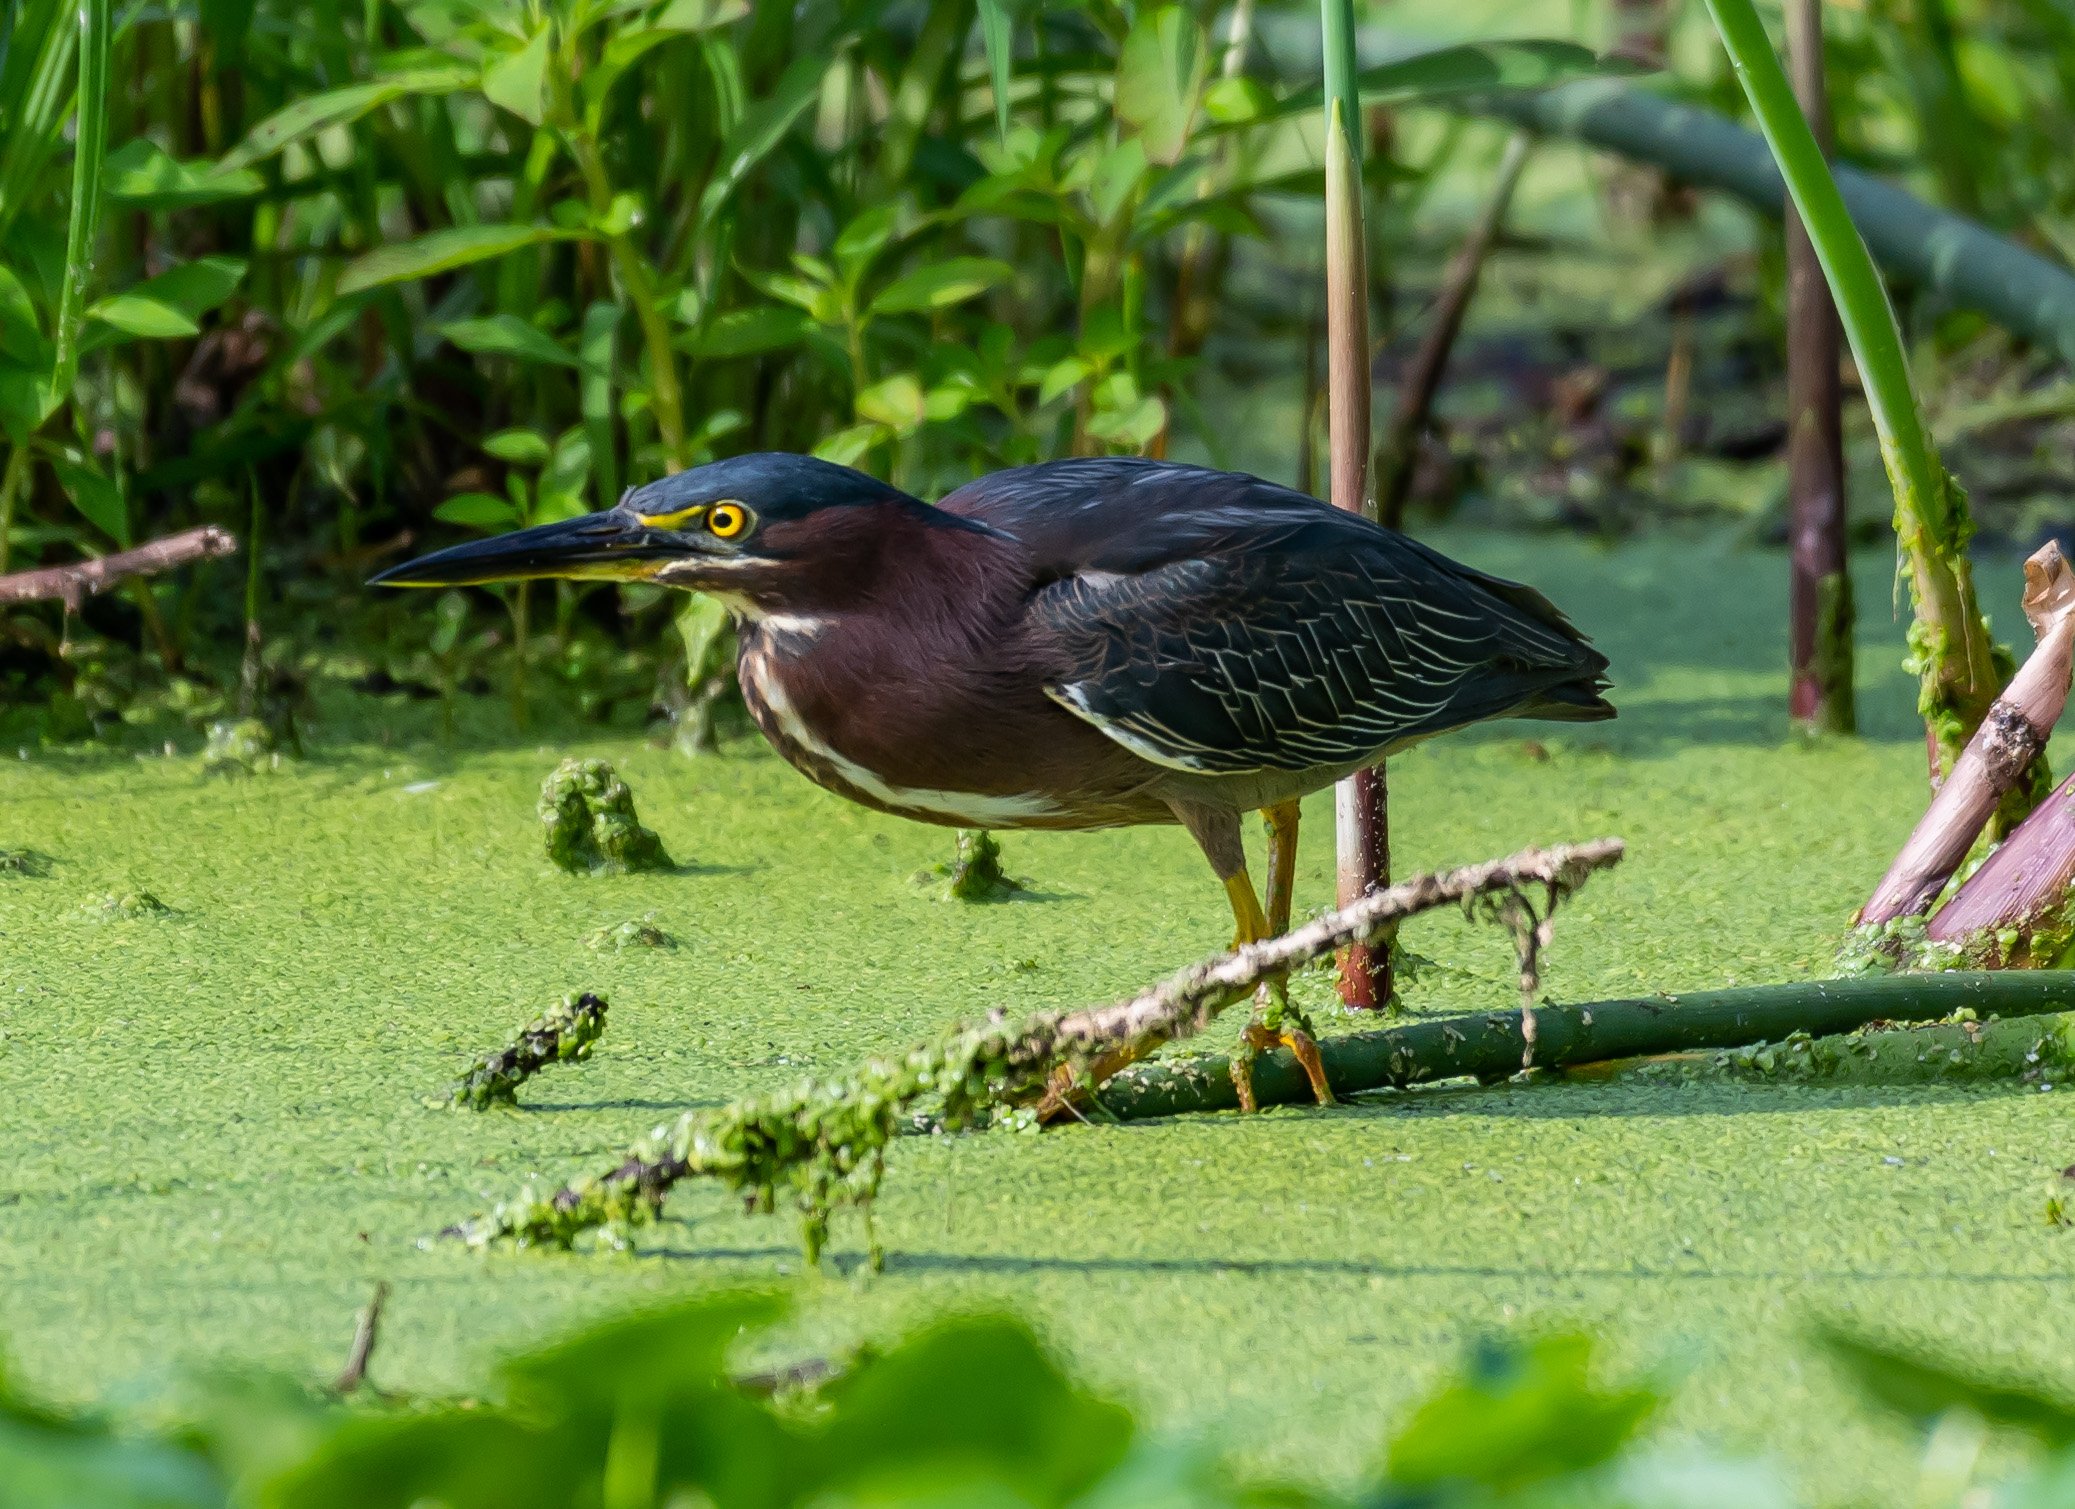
(1072, 1086)
(1278, 1024)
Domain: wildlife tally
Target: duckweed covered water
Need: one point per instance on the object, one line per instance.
(223, 1125)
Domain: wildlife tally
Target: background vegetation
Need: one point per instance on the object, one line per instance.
(353, 279)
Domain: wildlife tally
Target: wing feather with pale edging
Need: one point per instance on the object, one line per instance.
(1218, 624)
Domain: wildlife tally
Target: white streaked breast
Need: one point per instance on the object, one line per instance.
(968, 808)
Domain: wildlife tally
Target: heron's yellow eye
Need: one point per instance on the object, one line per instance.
(726, 520)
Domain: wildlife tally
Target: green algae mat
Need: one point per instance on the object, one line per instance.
(223, 1124)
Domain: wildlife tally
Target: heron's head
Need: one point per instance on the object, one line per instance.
(759, 531)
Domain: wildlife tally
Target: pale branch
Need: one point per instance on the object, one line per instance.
(365, 1329)
(73, 584)
(825, 1141)
(2002, 749)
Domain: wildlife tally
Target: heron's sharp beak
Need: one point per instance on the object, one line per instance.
(607, 546)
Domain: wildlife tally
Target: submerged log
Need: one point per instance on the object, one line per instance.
(1489, 1047)
(1946, 255)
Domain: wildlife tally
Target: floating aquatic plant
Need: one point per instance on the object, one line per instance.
(239, 746)
(975, 872)
(591, 827)
(26, 862)
(128, 906)
(636, 932)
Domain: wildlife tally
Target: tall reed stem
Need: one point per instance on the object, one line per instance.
(1361, 821)
(1951, 650)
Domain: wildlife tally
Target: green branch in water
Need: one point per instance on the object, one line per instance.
(823, 1144)
(2021, 1050)
(1489, 1047)
(563, 1034)
(590, 826)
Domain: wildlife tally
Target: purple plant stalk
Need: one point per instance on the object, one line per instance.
(2014, 911)
(2009, 739)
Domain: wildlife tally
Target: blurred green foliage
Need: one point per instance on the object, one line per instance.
(344, 276)
(646, 1410)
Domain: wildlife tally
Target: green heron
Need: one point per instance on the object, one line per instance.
(1079, 644)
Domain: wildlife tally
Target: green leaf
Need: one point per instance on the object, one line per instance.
(96, 497)
(1118, 173)
(569, 468)
(21, 338)
(141, 315)
(1160, 72)
(1517, 1415)
(895, 402)
(938, 285)
(96, 39)
(1064, 375)
(980, 1394)
(478, 511)
(701, 621)
(1924, 1389)
(520, 447)
(140, 173)
(863, 239)
(444, 250)
(595, 344)
(762, 129)
(1132, 425)
(848, 447)
(507, 335)
(698, 15)
(337, 107)
(518, 80)
(1237, 100)
(748, 332)
(1000, 43)
(193, 288)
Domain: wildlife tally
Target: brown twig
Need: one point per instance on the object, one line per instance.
(1819, 622)
(1397, 458)
(73, 584)
(364, 1333)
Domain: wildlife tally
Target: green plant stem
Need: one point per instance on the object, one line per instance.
(666, 398)
(1490, 1046)
(11, 483)
(90, 147)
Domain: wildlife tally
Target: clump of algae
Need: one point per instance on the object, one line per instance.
(636, 932)
(563, 1034)
(24, 862)
(128, 906)
(975, 872)
(588, 814)
(239, 746)
(2037, 1051)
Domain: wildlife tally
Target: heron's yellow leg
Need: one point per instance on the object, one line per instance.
(1282, 864)
(1276, 1023)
